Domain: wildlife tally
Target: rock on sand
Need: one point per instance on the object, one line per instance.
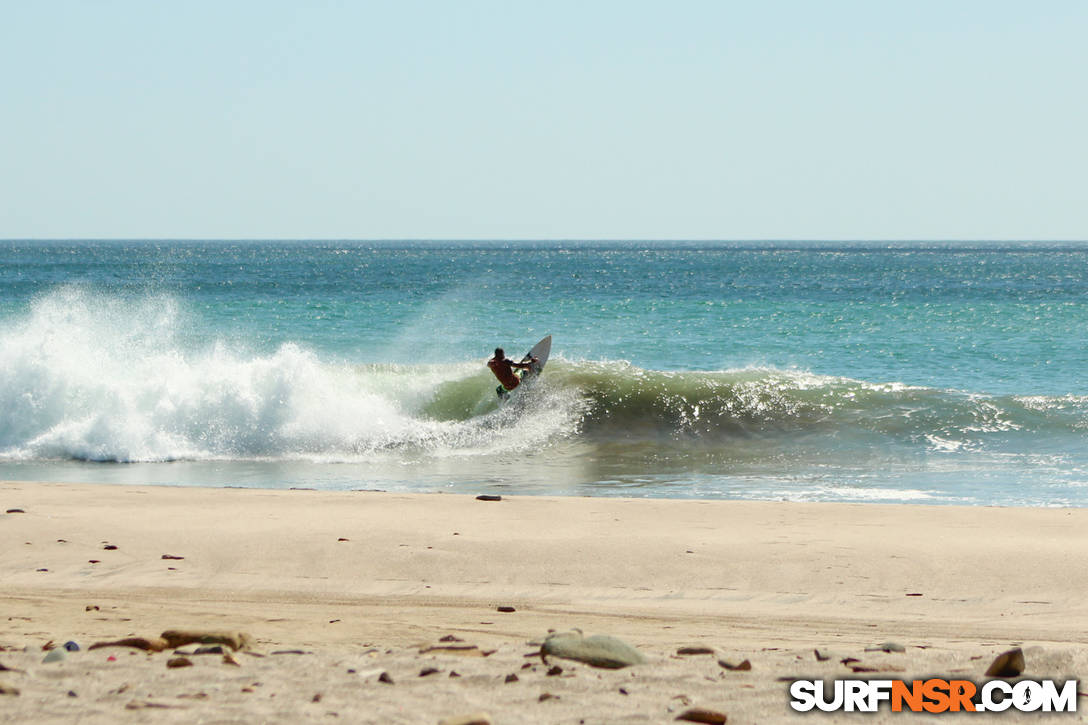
(600, 650)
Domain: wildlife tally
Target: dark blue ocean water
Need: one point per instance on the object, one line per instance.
(811, 371)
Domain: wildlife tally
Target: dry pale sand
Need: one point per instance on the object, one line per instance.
(355, 584)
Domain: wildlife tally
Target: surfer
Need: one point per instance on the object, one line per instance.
(504, 371)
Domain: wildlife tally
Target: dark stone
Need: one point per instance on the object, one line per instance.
(699, 714)
(155, 644)
(742, 666)
(1007, 664)
(180, 638)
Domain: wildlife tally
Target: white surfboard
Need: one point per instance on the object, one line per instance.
(540, 351)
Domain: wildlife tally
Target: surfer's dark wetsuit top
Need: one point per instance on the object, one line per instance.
(504, 371)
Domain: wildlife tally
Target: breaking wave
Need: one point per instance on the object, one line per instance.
(105, 378)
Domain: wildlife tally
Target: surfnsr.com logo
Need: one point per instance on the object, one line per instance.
(933, 695)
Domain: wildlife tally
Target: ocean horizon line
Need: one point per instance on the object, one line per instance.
(560, 240)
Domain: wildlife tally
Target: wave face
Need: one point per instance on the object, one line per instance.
(626, 401)
(94, 377)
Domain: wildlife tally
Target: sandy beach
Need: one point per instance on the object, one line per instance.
(345, 597)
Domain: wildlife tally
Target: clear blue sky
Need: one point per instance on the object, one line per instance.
(513, 119)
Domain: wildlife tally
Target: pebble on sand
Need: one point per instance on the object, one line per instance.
(6, 689)
(886, 647)
(148, 705)
(154, 644)
(464, 650)
(599, 650)
(877, 668)
(1007, 664)
(175, 662)
(823, 654)
(699, 714)
(695, 651)
(181, 637)
(744, 665)
(55, 655)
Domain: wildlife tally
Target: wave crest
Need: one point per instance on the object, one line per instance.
(104, 378)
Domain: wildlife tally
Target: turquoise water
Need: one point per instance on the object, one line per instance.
(934, 373)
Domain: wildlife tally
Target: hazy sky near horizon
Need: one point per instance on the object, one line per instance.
(561, 120)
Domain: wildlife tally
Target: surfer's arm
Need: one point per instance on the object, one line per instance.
(523, 366)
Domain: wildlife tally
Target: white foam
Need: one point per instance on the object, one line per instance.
(97, 377)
